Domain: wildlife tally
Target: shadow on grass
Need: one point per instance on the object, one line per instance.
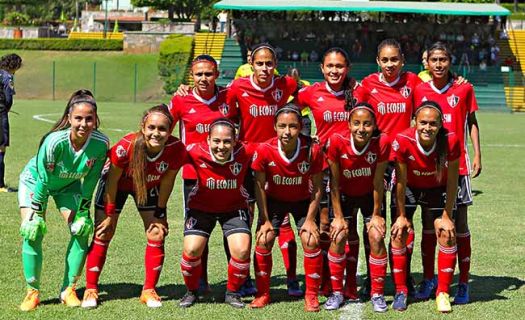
(476, 192)
(490, 288)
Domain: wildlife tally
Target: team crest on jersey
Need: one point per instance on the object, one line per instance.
(162, 166)
(90, 162)
(453, 100)
(224, 109)
(190, 223)
(236, 168)
(395, 145)
(50, 166)
(303, 166)
(277, 94)
(254, 156)
(371, 157)
(121, 152)
(405, 92)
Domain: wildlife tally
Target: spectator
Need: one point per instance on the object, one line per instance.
(295, 55)
(464, 62)
(483, 65)
(314, 56)
(304, 57)
(357, 48)
(494, 54)
(475, 40)
(223, 19)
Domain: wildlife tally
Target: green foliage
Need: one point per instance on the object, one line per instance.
(184, 9)
(174, 56)
(469, 1)
(62, 44)
(16, 19)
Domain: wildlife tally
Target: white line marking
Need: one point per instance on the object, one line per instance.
(353, 310)
(501, 145)
(43, 117)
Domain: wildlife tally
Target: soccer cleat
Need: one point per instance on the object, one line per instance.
(426, 289)
(294, 290)
(311, 303)
(248, 289)
(400, 302)
(260, 301)
(379, 303)
(443, 302)
(150, 298)
(8, 189)
(90, 299)
(30, 301)
(69, 297)
(233, 299)
(334, 302)
(188, 299)
(462, 296)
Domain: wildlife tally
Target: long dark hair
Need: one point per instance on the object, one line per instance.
(349, 83)
(441, 137)
(138, 158)
(389, 43)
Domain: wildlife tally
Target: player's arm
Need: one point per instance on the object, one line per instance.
(110, 191)
(262, 204)
(377, 221)
(474, 137)
(401, 185)
(45, 164)
(165, 188)
(338, 225)
(445, 223)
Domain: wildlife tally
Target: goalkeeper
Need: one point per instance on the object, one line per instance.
(67, 167)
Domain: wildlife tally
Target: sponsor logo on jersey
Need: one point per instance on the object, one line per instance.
(287, 181)
(303, 166)
(72, 175)
(152, 177)
(335, 116)
(371, 157)
(320, 99)
(221, 184)
(121, 152)
(192, 111)
(391, 107)
(162, 166)
(277, 94)
(447, 118)
(395, 145)
(405, 91)
(90, 162)
(423, 173)
(235, 168)
(224, 109)
(453, 100)
(190, 223)
(355, 173)
(259, 111)
(202, 127)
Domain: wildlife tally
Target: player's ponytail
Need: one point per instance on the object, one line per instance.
(139, 159)
(441, 138)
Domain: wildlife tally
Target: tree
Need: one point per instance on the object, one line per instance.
(183, 9)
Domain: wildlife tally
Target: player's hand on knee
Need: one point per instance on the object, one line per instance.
(265, 233)
(33, 225)
(106, 229)
(311, 230)
(378, 223)
(158, 229)
(338, 229)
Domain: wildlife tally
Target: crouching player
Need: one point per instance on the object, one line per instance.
(142, 164)
(288, 171)
(67, 167)
(357, 163)
(221, 164)
(427, 168)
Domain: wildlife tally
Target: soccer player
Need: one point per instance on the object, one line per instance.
(427, 167)
(459, 106)
(195, 111)
(285, 168)
(357, 163)
(246, 70)
(67, 167)
(329, 101)
(9, 64)
(142, 164)
(425, 75)
(221, 164)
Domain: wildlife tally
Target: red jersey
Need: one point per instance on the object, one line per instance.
(220, 186)
(421, 164)
(457, 102)
(357, 168)
(257, 106)
(392, 101)
(195, 115)
(172, 157)
(288, 179)
(327, 108)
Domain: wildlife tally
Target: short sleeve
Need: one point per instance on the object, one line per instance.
(385, 147)
(259, 159)
(332, 149)
(317, 159)
(472, 103)
(399, 150)
(304, 96)
(119, 154)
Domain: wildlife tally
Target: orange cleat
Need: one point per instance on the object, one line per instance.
(311, 303)
(31, 300)
(69, 297)
(150, 298)
(260, 301)
(90, 299)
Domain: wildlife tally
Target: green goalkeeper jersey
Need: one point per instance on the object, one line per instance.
(57, 165)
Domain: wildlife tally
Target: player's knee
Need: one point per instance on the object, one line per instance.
(192, 251)
(241, 252)
(155, 234)
(374, 237)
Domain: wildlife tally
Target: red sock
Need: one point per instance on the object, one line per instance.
(351, 263)
(399, 274)
(377, 274)
(96, 258)
(464, 250)
(313, 266)
(446, 265)
(238, 271)
(263, 270)
(288, 247)
(191, 268)
(336, 263)
(154, 259)
(410, 248)
(428, 252)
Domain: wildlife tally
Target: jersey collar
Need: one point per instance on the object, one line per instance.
(201, 99)
(259, 88)
(332, 91)
(220, 162)
(155, 158)
(354, 149)
(283, 155)
(390, 84)
(426, 153)
(444, 89)
(81, 150)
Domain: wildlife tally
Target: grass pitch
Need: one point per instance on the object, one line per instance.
(496, 222)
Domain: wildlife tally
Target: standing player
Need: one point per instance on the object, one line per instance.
(195, 111)
(67, 167)
(286, 167)
(357, 163)
(427, 166)
(9, 64)
(329, 102)
(219, 196)
(459, 106)
(142, 164)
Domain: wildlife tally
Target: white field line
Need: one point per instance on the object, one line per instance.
(353, 311)
(502, 145)
(43, 117)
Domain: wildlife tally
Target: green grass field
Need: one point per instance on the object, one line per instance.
(497, 224)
